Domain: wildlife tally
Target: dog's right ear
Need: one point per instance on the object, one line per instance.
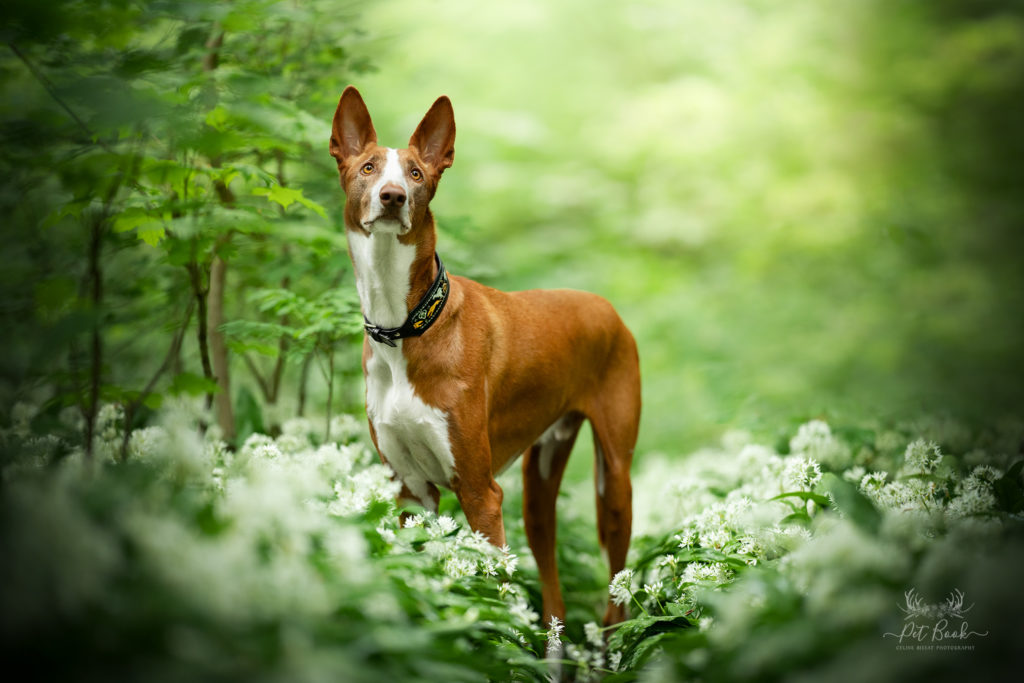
(352, 130)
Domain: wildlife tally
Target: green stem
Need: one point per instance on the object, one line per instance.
(330, 392)
(633, 595)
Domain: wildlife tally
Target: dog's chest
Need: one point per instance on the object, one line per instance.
(412, 435)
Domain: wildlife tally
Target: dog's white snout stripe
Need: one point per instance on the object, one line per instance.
(393, 173)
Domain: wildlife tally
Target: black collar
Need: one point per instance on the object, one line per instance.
(419, 320)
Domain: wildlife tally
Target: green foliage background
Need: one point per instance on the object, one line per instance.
(808, 209)
(802, 210)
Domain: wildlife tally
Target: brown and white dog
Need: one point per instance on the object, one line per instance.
(491, 374)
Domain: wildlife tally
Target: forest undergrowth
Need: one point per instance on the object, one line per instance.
(285, 560)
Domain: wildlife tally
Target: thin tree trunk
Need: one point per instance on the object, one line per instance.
(330, 393)
(257, 375)
(95, 278)
(199, 292)
(275, 379)
(282, 344)
(303, 381)
(218, 274)
(219, 349)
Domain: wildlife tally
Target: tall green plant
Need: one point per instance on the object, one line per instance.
(156, 148)
(311, 327)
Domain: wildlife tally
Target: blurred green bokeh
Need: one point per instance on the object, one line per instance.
(801, 209)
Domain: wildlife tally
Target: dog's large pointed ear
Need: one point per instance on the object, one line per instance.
(352, 130)
(434, 138)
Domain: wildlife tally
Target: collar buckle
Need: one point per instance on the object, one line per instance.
(378, 334)
(421, 317)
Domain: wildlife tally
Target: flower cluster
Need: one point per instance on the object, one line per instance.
(746, 508)
(291, 530)
(814, 440)
(462, 553)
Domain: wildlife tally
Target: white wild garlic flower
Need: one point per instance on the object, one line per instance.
(520, 610)
(593, 634)
(621, 586)
(921, 457)
(802, 473)
(815, 441)
(554, 645)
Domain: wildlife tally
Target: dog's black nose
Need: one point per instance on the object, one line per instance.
(392, 195)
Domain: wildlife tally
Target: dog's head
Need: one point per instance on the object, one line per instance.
(388, 190)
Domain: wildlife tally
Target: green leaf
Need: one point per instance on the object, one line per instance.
(149, 227)
(799, 517)
(240, 347)
(255, 331)
(131, 218)
(286, 196)
(637, 637)
(218, 118)
(248, 415)
(1008, 490)
(710, 555)
(851, 502)
(72, 209)
(192, 385)
(151, 236)
(804, 495)
(169, 173)
(222, 219)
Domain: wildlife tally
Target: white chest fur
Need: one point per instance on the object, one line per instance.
(412, 435)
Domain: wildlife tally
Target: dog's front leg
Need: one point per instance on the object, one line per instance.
(479, 494)
(427, 495)
(407, 497)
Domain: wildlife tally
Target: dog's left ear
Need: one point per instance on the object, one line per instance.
(434, 138)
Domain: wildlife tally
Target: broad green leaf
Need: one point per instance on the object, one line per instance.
(241, 347)
(131, 218)
(631, 635)
(851, 502)
(248, 414)
(218, 118)
(167, 172)
(192, 385)
(1008, 489)
(799, 516)
(286, 196)
(151, 236)
(149, 227)
(153, 400)
(804, 495)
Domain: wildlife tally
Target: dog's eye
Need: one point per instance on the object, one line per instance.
(416, 174)
(367, 169)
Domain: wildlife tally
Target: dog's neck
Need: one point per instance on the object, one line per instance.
(392, 273)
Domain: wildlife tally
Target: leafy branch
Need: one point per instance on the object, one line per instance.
(313, 327)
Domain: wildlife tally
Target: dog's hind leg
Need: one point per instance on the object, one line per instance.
(543, 467)
(615, 417)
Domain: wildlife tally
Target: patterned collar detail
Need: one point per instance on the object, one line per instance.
(422, 317)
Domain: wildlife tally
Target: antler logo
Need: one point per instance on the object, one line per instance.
(953, 606)
(928, 623)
